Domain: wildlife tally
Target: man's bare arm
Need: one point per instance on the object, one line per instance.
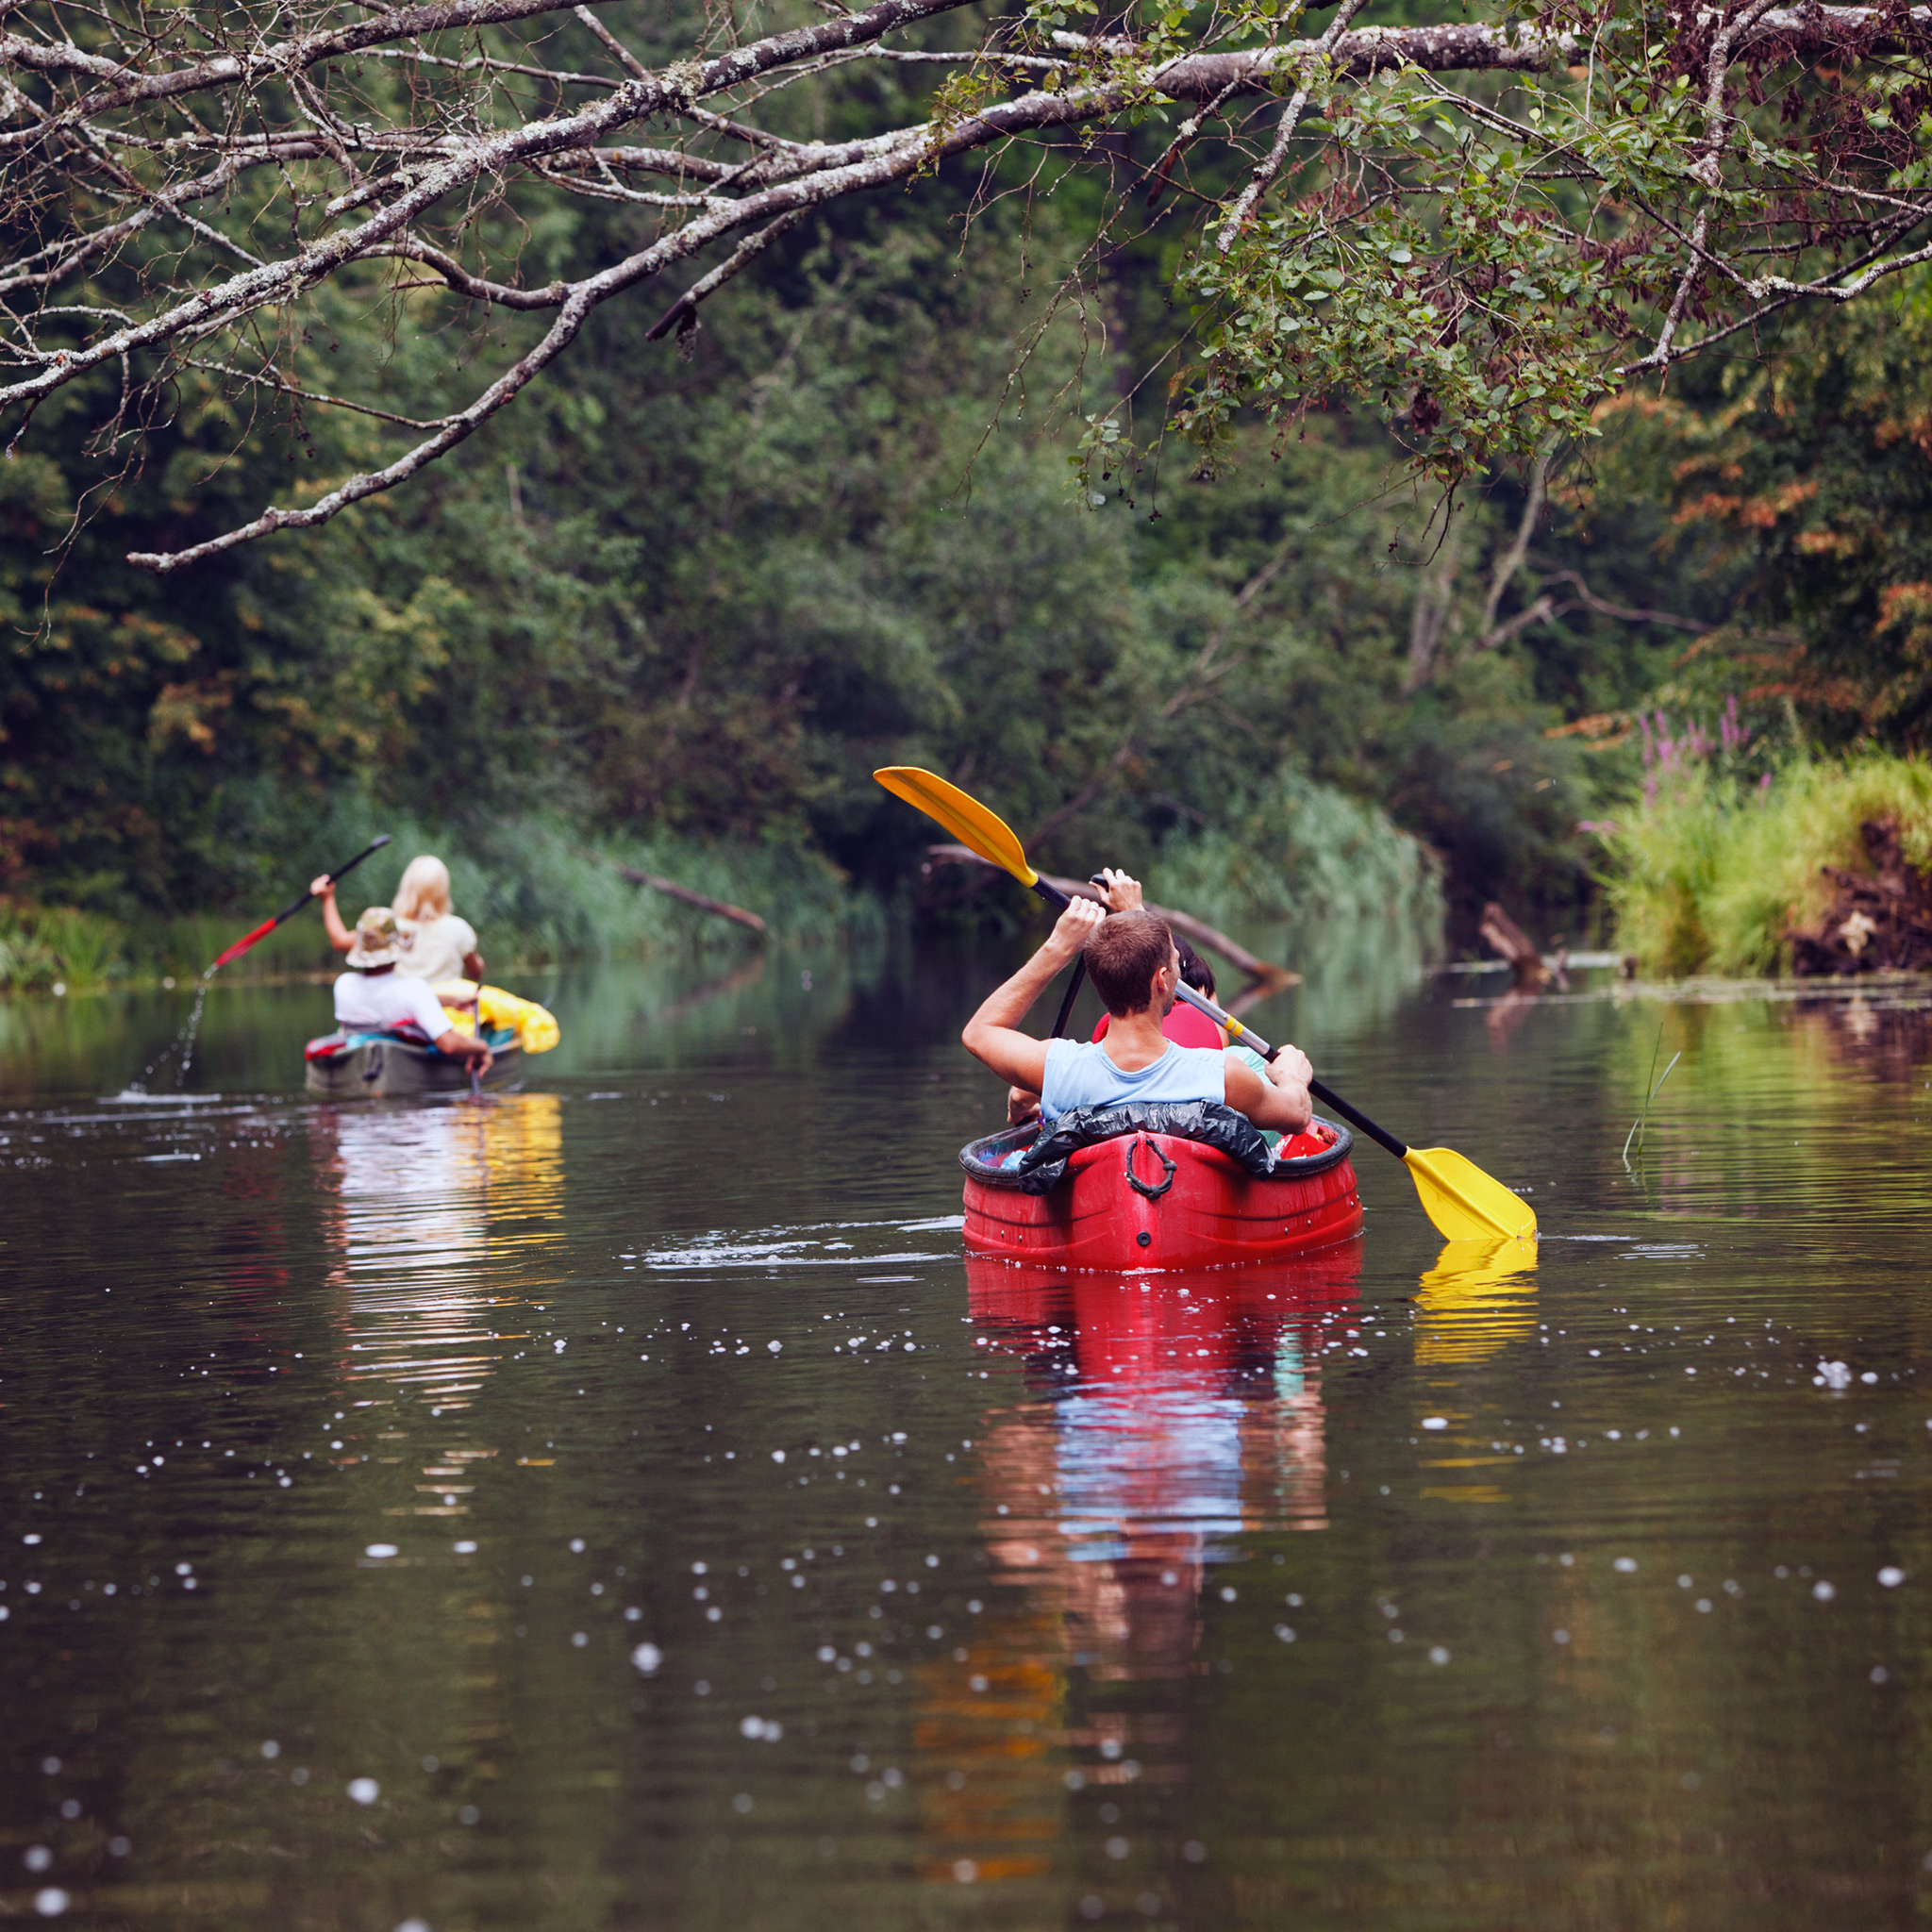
(992, 1035)
(1279, 1102)
(459, 1046)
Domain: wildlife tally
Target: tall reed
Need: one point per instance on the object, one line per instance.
(1715, 865)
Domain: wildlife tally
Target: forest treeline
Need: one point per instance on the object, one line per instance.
(685, 595)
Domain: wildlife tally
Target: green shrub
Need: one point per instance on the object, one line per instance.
(41, 947)
(535, 892)
(1710, 871)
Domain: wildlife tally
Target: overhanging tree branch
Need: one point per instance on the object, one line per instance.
(1447, 274)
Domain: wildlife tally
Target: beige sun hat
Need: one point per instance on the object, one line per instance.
(380, 941)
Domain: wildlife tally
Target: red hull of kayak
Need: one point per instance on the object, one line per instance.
(1194, 1206)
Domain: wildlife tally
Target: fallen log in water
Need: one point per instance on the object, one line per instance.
(685, 897)
(1503, 934)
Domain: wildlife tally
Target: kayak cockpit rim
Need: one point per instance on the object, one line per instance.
(979, 1157)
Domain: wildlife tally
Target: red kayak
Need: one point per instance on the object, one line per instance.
(1148, 1201)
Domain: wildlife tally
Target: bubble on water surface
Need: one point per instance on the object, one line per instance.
(1435, 1422)
(381, 1549)
(1891, 1576)
(1626, 1565)
(465, 1548)
(50, 1902)
(364, 1790)
(1825, 1591)
(37, 1859)
(271, 1750)
(646, 1657)
(964, 1871)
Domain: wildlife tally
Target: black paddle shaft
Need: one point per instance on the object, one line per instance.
(374, 845)
(1073, 992)
(1318, 1090)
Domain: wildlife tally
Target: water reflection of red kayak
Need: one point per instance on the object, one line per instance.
(1152, 1201)
(1195, 1329)
(1167, 1422)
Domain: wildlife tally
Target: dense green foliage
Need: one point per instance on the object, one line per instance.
(1797, 489)
(705, 601)
(678, 607)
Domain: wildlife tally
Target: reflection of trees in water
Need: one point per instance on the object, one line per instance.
(1170, 1416)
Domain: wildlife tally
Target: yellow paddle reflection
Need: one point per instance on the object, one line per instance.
(1480, 1297)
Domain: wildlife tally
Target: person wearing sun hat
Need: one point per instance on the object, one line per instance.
(441, 946)
(372, 997)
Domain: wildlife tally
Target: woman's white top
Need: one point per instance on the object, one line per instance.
(436, 951)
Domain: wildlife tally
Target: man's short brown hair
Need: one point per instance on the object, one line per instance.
(1123, 953)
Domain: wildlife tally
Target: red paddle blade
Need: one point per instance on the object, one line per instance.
(242, 945)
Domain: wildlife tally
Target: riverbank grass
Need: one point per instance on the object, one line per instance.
(536, 893)
(1709, 873)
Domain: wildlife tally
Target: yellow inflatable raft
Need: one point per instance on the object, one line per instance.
(535, 1028)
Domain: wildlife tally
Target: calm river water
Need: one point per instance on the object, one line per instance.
(619, 1506)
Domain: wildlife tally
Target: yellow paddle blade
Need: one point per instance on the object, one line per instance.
(1465, 1202)
(964, 817)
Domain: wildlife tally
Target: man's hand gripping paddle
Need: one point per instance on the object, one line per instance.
(268, 925)
(1461, 1199)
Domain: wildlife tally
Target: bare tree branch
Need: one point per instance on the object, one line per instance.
(1263, 175)
(184, 188)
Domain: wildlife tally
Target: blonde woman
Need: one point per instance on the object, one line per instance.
(438, 945)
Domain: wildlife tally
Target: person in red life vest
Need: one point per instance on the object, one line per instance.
(1185, 1025)
(1134, 967)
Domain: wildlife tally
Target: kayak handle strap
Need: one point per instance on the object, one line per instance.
(1134, 1181)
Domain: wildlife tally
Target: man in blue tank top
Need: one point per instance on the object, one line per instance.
(1134, 966)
